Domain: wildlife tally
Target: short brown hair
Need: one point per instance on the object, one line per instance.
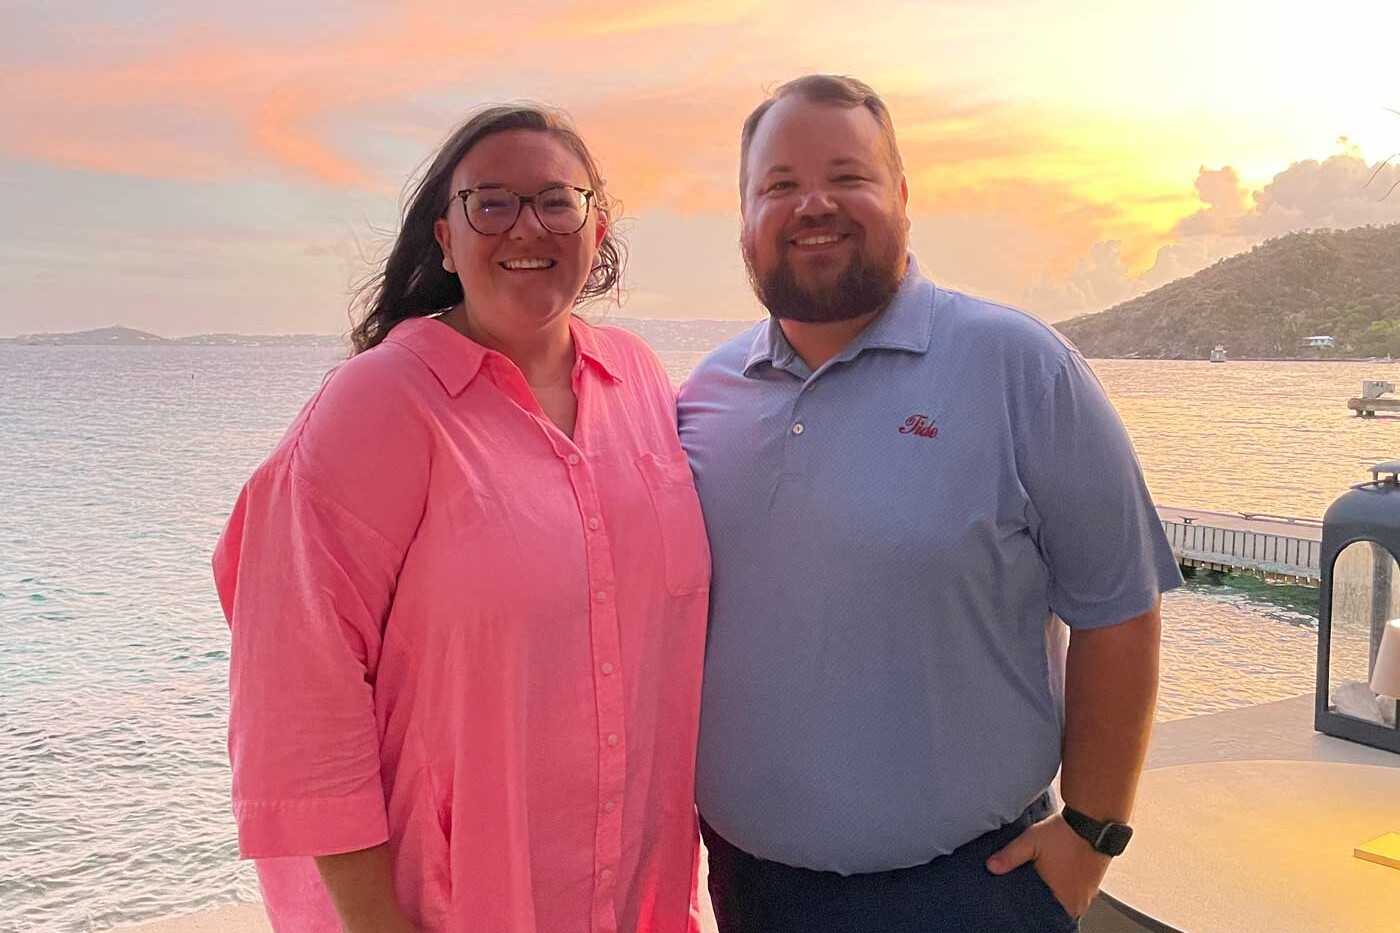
(837, 90)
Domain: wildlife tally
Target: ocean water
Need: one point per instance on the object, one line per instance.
(118, 466)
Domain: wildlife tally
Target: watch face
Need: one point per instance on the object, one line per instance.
(1114, 839)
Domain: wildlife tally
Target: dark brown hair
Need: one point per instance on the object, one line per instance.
(837, 90)
(411, 282)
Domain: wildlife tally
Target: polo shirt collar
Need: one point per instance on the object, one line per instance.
(906, 324)
(455, 359)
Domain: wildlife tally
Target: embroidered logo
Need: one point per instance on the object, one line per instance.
(920, 426)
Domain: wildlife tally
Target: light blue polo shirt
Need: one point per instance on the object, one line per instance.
(890, 537)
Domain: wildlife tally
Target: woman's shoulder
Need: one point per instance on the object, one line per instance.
(627, 351)
(620, 340)
(379, 390)
(368, 420)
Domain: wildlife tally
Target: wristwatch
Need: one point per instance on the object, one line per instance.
(1106, 838)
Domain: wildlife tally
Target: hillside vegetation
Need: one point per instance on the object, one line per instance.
(1264, 303)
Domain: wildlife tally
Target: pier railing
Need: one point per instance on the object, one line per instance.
(1277, 548)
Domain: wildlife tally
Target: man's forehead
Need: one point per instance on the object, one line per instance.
(791, 123)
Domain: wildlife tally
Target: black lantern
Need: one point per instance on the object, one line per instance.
(1360, 598)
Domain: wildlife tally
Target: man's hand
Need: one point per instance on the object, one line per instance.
(1071, 868)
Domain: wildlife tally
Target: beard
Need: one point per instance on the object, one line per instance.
(868, 283)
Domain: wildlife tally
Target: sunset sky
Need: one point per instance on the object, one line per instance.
(233, 166)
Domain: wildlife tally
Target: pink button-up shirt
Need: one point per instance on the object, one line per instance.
(459, 631)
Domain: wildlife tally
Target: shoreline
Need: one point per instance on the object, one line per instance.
(1380, 361)
(239, 918)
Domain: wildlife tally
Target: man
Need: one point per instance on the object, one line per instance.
(906, 488)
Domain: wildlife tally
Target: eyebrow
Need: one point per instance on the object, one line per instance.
(545, 186)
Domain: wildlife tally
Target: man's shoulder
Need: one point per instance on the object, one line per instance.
(984, 318)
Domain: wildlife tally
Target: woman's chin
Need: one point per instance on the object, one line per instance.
(536, 306)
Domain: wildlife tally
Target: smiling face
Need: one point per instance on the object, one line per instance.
(527, 276)
(825, 228)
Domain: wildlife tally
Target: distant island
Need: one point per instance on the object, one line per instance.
(1265, 304)
(663, 335)
(1341, 287)
(128, 337)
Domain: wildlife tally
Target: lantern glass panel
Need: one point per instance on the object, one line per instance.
(1365, 594)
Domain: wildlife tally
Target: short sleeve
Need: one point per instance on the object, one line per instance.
(1091, 513)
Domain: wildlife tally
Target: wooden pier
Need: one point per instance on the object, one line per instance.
(1276, 548)
(1371, 400)
(1367, 407)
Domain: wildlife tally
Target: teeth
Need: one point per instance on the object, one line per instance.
(818, 240)
(528, 263)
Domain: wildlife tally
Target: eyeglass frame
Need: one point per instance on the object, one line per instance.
(523, 199)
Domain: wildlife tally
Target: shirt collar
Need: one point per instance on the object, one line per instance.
(590, 348)
(455, 359)
(905, 324)
(451, 357)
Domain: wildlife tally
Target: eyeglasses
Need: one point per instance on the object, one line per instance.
(490, 211)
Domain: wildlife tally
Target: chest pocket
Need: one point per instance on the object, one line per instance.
(685, 551)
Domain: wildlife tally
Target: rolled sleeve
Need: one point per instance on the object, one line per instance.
(1093, 518)
(305, 587)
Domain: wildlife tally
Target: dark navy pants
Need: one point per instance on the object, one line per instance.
(954, 893)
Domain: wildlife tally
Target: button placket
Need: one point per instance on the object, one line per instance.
(608, 695)
(799, 428)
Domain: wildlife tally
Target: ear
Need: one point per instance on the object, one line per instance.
(442, 232)
(904, 198)
(600, 232)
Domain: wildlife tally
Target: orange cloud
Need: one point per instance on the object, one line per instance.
(674, 147)
(280, 128)
(198, 105)
(630, 16)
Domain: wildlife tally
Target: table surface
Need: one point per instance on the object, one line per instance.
(1263, 845)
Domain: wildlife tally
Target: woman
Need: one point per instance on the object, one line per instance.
(468, 590)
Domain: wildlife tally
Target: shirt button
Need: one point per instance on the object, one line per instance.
(798, 428)
(610, 806)
(612, 738)
(607, 874)
(573, 459)
(607, 667)
(602, 596)
(594, 524)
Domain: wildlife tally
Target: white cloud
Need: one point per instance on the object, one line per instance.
(1333, 193)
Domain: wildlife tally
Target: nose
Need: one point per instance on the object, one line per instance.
(527, 225)
(817, 202)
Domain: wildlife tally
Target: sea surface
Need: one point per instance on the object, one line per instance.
(118, 466)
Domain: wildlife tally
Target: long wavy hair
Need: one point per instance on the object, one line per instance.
(411, 281)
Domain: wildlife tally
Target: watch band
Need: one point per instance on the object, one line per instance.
(1107, 838)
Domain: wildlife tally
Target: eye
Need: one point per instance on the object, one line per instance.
(781, 185)
(558, 201)
(850, 179)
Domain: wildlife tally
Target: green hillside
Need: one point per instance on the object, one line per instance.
(1263, 303)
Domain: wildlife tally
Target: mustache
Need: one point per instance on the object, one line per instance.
(808, 224)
